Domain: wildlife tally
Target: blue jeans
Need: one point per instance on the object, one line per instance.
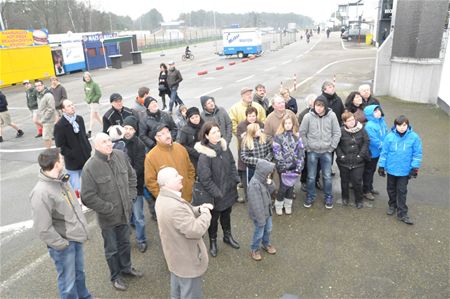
(174, 98)
(139, 219)
(75, 179)
(116, 242)
(325, 165)
(261, 233)
(69, 264)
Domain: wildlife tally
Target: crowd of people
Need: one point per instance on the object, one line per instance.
(182, 165)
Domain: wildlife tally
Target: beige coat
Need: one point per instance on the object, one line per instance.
(273, 122)
(181, 228)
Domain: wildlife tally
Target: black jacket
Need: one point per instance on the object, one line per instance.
(216, 171)
(3, 102)
(113, 117)
(188, 137)
(136, 152)
(148, 122)
(75, 148)
(353, 149)
(370, 101)
(292, 105)
(162, 79)
(335, 103)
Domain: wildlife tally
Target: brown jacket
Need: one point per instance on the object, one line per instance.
(181, 229)
(273, 121)
(175, 156)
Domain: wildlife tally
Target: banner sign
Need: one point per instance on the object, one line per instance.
(23, 38)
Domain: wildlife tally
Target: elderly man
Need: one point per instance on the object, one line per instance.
(47, 112)
(212, 112)
(366, 95)
(181, 229)
(60, 224)
(237, 111)
(167, 153)
(70, 136)
(108, 188)
(273, 121)
(333, 100)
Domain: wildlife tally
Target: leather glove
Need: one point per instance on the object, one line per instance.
(381, 171)
(413, 173)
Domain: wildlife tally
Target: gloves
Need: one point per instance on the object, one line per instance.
(205, 208)
(381, 171)
(413, 173)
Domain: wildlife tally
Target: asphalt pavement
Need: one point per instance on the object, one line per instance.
(338, 253)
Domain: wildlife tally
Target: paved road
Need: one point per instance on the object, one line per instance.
(339, 253)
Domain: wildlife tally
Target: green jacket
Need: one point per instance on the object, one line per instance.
(92, 92)
(32, 98)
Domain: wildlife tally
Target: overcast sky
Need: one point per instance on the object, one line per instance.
(319, 10)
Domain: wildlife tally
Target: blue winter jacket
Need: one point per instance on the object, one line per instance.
(376, 128)
(400, 154)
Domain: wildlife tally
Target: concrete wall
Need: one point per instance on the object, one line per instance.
(444, 91)
(382, 78)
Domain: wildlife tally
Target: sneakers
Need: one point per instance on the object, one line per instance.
(256, 255)
(279, 207)
(369, 196)
(269, 249)
(119, 285)
(406, 220)
(329, 202)
(307, 203)
(359, 205)
(19, 133)
(240, 199)
(390, 211)
(38, 135)
(345, 201)
(374, 192)
(142, 247)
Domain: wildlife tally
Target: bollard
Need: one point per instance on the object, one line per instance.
(219, 67)
(295, 81)
(232, 63)
(334, 79)
(245, 60)
(202, 73)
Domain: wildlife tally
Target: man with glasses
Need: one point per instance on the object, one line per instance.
(47, 111)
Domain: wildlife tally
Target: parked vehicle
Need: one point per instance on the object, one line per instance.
(242, 42)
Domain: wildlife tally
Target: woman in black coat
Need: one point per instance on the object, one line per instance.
(163, 87)
(189, 133)
(351, 154)
(217, 174)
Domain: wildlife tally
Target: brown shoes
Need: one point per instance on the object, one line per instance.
(269, 249)
(256, 255)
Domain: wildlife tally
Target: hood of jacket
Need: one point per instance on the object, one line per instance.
(368, 112)
(263, 169)
(208, 150)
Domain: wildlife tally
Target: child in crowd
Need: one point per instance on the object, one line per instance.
(400, 157)
(289, 155)
(260, 189)
(376, 128)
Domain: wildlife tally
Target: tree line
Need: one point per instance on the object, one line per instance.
(60, 16)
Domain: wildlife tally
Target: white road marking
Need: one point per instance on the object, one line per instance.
(210, 92)
(286, 62)
(16, 226)
(270, 68)
(342, 43)
(246, 78)
(206, 59)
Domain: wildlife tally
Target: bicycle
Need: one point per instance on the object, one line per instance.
(185, 56)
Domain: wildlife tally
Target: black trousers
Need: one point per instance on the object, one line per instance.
(369, 171)
(355, 177)
(397, 188)
(225, 222)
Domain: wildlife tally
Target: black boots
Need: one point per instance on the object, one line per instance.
(213, 247)
(228, 239)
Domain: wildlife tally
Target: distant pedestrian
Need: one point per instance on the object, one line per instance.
(71, 138)
(116, 114)
(237, 111)
(354, 104)
(259, 198)
(291, 102)
(5, 117)
(218, 177)
(181, 229)
(109, 186)
(214, 113)
(328, 32)
(47, 112)
(260, 97)
(376, 128)
(32, 104)
(400, 158)
(92, 96)
(174, 79)
(60, 224)
(59, 94)
(163, 86)
(189, 133)
(351, 154)
(288, 151)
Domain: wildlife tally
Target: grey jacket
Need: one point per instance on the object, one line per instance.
(174, 78)
(320, 134)
(57, 215)
(59, 94)
(46, 106)
(258, 193)
(108, 187)
(221, 117)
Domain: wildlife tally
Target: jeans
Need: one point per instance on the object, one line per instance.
(139, 219)
(355, 177)
(261, 233)
(225, 222)
(325, 165)
(250, 171)
(397, 190)
(181, 288)
(369, 171)
(304, 176)
(75, 179)
(151, 202)
(117, 249)
(69, 264)
(174, 98)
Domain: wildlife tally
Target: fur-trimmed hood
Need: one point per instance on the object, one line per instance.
(208, 151)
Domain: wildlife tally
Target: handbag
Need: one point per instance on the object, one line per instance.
(162, 87)
(199, 195)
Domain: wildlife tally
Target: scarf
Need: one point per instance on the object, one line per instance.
(73, 122)
(355, 129)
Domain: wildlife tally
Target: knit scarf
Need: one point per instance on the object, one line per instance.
(73, 122)
(355, 129)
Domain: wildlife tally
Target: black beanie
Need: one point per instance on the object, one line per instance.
(115, 96)
(204, 99)
(130, 121)
(192, 111)
(148, 100)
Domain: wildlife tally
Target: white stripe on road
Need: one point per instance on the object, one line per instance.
(342, 43)
(270, 68)
(23, 150)
(246, 78)
(286, 62)
(210, 92)
(16, 226)
(206, 59)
